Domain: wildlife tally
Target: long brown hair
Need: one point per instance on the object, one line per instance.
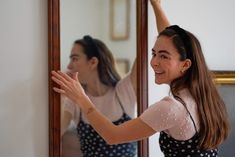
(108, 74)
(213, 117)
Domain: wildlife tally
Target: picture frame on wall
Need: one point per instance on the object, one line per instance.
(224, 77)
(119, 19)
(225, 83)
(123, 66)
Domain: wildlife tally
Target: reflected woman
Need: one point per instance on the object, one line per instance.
(114, 97)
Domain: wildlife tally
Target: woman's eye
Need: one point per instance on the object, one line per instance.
(153, 54)
(163, 57)
(74, 59)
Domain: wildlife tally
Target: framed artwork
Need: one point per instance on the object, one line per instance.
(224, 77)
(225, 81)
(119, 19)
(123, 66)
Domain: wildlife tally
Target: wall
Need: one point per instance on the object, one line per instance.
(211, 21)
(77, 20)
(23, 82)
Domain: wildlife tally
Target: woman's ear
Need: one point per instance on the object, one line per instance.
(186, 65)
(93, 62)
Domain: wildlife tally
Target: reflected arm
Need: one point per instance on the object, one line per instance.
(133, 76)
(161, 19)
(65, 121)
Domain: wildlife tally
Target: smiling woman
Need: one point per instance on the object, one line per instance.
(185, 118)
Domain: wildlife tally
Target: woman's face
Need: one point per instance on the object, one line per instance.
(166, 61)
(79, 63)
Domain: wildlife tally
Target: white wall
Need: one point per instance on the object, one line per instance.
(212, 22)
(78, 20)
(23, 81)
(92, 17)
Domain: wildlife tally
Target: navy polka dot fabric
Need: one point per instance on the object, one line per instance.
(188, 148)
(93, 145)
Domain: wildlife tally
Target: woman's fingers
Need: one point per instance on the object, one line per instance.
(60, 77)
(61, 91)
(75, 76)
(59, 82)
(65, 76)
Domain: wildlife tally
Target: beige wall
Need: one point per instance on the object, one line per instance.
(23, 78)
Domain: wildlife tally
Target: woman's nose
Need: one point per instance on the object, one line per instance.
(155, 62)
(69, 66)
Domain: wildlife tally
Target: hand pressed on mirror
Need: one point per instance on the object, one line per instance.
(70, 87)
(128, 131)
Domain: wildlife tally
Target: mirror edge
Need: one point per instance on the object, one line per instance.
(142, 66)
(54, 64)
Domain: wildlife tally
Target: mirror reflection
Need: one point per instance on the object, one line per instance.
(98, 40)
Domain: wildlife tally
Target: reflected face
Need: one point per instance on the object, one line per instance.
(79, 63)
(165, 61)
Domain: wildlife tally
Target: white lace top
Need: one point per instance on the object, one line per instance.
(170, 115)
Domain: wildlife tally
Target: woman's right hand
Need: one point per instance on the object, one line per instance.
(69, 73)
(69, 86)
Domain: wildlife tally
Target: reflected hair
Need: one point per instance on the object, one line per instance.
(106, 64)
(213, 117)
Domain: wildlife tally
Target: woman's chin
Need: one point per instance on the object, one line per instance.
(158, 82)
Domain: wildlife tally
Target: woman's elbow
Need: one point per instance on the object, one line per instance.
(112, 140)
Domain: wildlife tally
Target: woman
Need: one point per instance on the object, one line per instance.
(114, 97)
(192, 120)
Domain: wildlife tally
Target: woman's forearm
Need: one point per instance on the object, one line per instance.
(104, 127)
(161, 18)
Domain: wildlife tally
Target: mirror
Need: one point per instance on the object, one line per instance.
(61, 37)
(93, 18)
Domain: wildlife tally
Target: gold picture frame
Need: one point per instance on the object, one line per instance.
(119, 19)
(123, 66)
(224, 77)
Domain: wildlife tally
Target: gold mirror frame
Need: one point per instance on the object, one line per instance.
(54, 64)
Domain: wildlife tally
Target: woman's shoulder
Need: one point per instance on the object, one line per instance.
(168, 100)
(124, 81)
(168, 103)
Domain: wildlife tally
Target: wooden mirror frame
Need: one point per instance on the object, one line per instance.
(54, 64)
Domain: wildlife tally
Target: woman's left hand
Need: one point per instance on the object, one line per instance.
(69, 86)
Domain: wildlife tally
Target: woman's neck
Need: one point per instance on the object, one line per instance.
(96, 88)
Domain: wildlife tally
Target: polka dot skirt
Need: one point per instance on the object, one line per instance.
(188, 148)
(93, 145)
